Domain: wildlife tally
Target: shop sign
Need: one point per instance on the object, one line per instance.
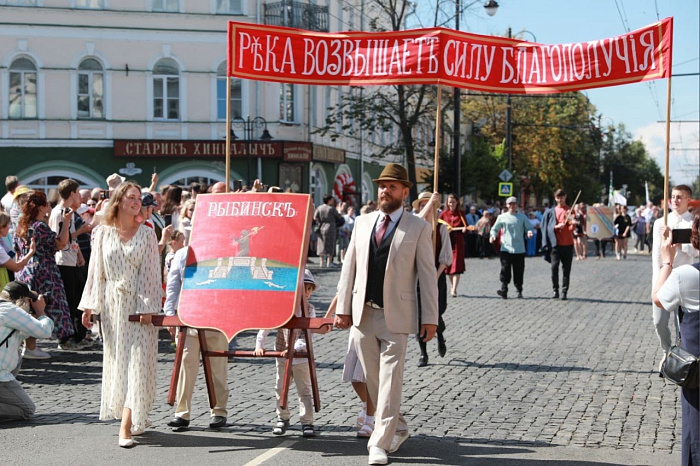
(328, 154)
(297, 151)
(194, 148)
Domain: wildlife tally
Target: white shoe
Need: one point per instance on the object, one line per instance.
(399, 438)
(35, 354)
(69, 345)
(377, 456)
(365, 431)
(126, 442)
(361, 418)
(85, 344)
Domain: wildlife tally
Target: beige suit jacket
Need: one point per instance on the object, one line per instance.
(410, 261)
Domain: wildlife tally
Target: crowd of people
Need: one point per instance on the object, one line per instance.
(121, 252)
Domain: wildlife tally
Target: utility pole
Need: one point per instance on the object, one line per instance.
(509, 152)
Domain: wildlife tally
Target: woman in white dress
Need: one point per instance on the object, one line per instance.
(123, 280)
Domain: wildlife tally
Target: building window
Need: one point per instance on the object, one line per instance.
(228, 6)
(287, 102)
(166, 90)
(90, 89)
(90, 4)
(236, 95)
(23, 90)
(48, 184)
(166, 5)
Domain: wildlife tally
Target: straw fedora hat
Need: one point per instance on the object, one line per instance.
(394, 172)
(421, 197)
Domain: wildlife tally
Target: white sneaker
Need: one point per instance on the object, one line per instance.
(377, 456)
(365, 431)
(85, 344)
(35, 354)
(399, 438)
(69, 345)
(361, 418)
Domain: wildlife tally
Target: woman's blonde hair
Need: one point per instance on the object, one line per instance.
(4, 219)
(112, 211)
(185, 206)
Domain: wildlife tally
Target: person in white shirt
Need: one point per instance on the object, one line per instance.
(678, 288)
(70, 259)
(679, 217)
(16, 324)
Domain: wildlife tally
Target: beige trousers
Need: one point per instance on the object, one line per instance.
(302, 379)
(382, 354)
(216, 341)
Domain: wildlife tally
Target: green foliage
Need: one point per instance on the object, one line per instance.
(554, 143)
(631, 165)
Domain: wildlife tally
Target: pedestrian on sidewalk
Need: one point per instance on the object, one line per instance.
(678, 288)
(515, 227)
(377, 297)
(558, 227)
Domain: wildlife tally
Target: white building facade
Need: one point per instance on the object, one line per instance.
(93, 87)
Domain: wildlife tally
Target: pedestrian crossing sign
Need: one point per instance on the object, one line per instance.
(505, 189)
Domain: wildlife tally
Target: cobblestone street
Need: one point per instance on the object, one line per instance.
(531, 372)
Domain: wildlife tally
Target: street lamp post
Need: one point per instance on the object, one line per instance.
(249, 127)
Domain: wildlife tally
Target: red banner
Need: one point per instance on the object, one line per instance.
(444, 56)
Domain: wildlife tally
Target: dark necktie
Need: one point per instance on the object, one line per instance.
(381, 229)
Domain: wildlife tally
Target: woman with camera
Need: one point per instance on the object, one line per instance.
(123, 280)
(680, 288)
(42, 273)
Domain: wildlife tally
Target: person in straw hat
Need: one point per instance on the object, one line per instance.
(390, 252)
(425, 207)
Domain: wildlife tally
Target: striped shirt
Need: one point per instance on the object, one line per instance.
(14, 318)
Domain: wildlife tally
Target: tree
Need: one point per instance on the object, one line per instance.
(631, 165)
(554, 142)
(399, 110)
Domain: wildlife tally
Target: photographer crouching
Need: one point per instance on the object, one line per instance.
(21, 316)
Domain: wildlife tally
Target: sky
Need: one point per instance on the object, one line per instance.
(641, 106)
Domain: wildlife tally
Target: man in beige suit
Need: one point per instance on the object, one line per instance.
(389, 253)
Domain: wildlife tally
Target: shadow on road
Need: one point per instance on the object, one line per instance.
(520, 367)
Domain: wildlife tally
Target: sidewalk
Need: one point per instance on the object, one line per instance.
(524, 382)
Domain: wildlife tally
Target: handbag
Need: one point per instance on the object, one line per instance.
(680, 366)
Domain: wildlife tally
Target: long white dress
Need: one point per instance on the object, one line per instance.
(123, 280)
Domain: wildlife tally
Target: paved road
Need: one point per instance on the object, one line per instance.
(531, 381)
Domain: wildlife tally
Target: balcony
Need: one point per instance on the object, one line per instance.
(297, 15)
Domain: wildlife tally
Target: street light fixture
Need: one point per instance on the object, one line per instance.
(491, 7)
(249, 127)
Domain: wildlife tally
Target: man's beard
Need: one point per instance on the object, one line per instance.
(389, 204)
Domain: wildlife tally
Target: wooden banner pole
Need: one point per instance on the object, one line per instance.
(438, 142)
(436, 163)
(668, 143)
(228, 133)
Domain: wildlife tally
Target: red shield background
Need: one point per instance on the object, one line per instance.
(245, 263)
